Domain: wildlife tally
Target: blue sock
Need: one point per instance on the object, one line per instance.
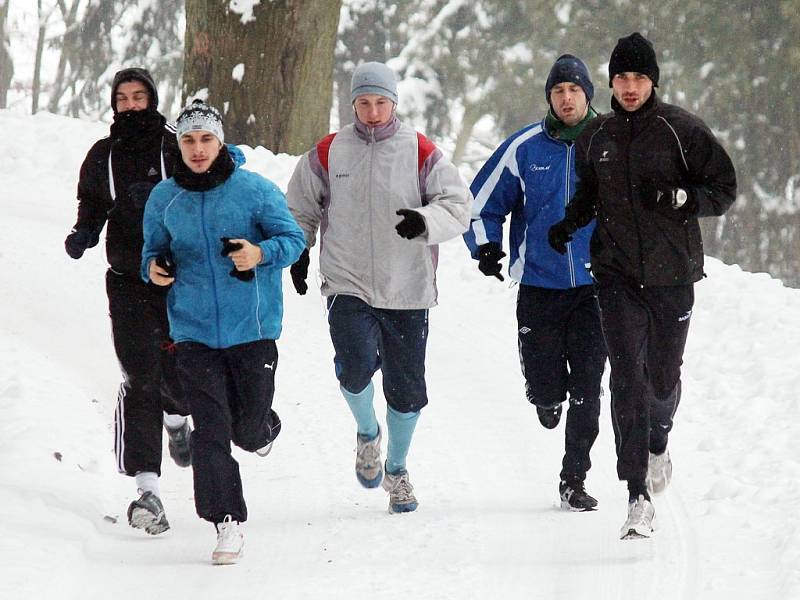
(361, 406)
(401, 429)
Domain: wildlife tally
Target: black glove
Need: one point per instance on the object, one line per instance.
(412, 225)
(489, 256)
(560, 234)
(299, 273)
(227, 248)
(166, 263)
(664, 197)
(675, 198)
(79, 240)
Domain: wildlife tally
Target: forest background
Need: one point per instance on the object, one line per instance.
(471, 72)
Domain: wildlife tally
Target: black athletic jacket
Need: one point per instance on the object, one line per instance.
(137, 168)
(622, 160)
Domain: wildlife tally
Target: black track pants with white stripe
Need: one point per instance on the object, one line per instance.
(150, 383)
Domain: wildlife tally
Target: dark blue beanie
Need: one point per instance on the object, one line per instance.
(569, 69)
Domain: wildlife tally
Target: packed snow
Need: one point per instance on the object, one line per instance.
(485, 472)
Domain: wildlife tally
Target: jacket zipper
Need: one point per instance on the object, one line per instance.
(209, 255)
(567, 194)
(371, 211)
(629, 142)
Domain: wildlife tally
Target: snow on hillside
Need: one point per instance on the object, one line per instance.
(484, 470)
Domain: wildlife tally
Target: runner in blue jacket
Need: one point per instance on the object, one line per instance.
(532, 177)
(220, 236)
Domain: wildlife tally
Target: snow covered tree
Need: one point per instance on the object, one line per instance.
(267, 66)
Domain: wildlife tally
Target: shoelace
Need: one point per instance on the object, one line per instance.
(401, 490)
(576, 490)
(227, 532)
(369, 453)
(638, 514)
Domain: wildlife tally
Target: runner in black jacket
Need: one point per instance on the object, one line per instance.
(115, 181)
(647, 171)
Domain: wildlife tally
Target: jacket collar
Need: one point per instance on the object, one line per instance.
(377, 134)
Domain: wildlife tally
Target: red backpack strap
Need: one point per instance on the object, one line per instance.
(323, 150)
(425, 148)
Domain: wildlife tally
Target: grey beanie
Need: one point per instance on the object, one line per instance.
(373, 78)
(199, 116)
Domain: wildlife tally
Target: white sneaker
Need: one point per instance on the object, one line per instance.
(230, 542)
(639, 524)
(659, 472)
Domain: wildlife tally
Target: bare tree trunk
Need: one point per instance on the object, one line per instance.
(67, 48)
(6, 62)
(272, 76)
(472, 114)
(37, 65)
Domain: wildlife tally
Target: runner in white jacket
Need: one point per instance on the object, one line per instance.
(383, 196)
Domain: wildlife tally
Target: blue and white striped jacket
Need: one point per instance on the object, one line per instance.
(531, 176)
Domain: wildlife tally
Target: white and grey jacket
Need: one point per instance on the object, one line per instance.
(350, 186)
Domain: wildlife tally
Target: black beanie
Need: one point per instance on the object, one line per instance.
(135, 74)
(633, 54)
(569, 69)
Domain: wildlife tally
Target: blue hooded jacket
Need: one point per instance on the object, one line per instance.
(205, 304)
(531, 176)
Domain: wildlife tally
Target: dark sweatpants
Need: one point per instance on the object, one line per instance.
(367, 339)
(231, 392)
(150, 383)
(562, 352)
(645, 330)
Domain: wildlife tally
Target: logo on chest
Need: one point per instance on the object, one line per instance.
(341, 175)
(536, 168)
(604, 157)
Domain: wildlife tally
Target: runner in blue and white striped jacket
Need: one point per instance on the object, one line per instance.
(532, 177)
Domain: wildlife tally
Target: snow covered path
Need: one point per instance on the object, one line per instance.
(484, 470)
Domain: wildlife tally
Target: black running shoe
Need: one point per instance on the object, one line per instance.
(549, 416)
(179, 440)
(148, 513)
(574, 497)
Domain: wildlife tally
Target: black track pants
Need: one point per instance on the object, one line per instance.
(231, 393)
(150, 383)
(562, 352)
(645, 330)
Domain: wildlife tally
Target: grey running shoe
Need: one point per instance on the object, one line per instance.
(401, 492)
(369, 471)
(659, 472)
(179, 444)
(574, 497)
(639, 523)
(230, 542)
(148, 513)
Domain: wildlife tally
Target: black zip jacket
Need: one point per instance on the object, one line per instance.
(622, 160)
(136, 162)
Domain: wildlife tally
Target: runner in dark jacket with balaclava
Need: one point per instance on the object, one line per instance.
(115, 181)
(647, 171)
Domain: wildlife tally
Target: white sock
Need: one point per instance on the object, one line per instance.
(174, 421)
(147, 481)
